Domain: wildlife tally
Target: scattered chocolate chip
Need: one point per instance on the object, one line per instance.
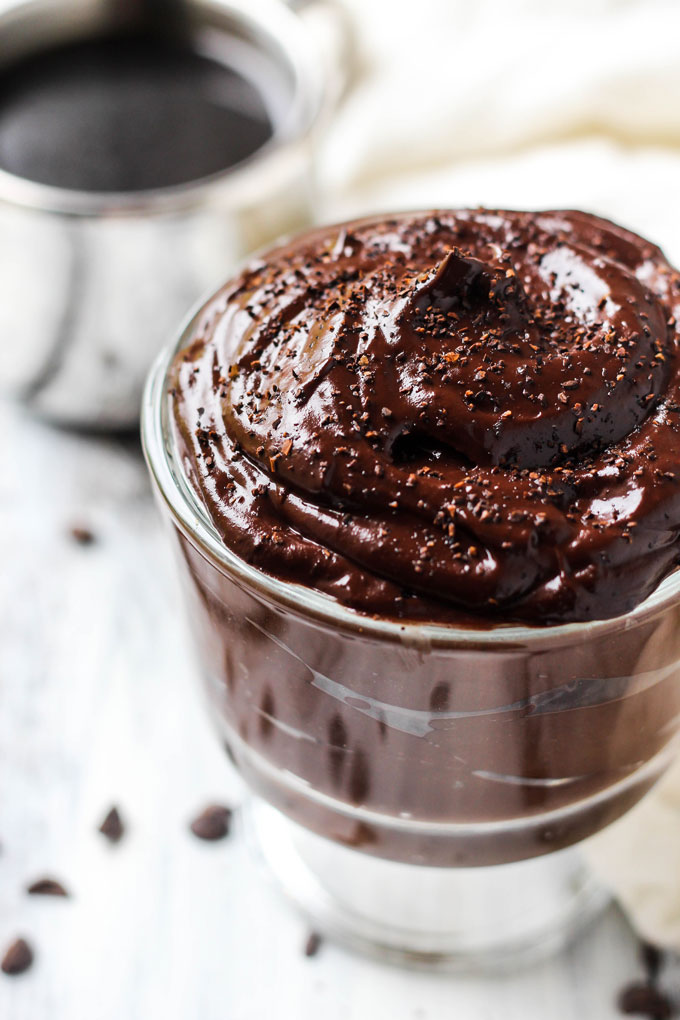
(213, 823)
(644, 1000)
(18, 958)
(313, 944)
(112, 827)
(82, 535)
(46, 887)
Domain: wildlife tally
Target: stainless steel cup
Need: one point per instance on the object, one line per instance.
(90, 283)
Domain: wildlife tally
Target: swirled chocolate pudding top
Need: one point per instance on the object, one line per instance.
(445, 416)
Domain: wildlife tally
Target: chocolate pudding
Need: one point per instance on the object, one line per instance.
(434, 458)
(443, 415)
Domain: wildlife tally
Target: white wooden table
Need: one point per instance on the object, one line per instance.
(98, 705)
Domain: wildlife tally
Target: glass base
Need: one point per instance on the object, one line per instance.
(442, 918)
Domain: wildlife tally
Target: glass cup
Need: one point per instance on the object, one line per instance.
(419, 791)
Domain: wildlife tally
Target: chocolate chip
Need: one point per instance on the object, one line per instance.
(112, 827)
(644, 1000)
(313, 944)
(18, 958)
(213, 823)
(46, 887)
(82, 535)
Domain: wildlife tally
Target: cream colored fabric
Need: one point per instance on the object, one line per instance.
(444, 80)
(529, 103)
(639, 859)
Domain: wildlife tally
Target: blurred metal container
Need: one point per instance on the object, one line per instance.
(92, 284)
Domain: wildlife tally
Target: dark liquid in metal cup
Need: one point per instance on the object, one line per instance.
(128, 113)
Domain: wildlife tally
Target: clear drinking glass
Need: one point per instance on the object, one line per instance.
(419, 791)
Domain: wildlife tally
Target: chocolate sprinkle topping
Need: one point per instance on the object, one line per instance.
(460, 416)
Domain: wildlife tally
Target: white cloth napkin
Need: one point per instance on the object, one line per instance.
(529, 104)
(448, 80)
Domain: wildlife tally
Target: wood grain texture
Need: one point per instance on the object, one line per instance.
(99, 706)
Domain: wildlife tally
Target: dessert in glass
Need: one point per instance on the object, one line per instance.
(421, 472)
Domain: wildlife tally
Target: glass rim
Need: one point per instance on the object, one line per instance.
(190, 516)
(266, 20)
